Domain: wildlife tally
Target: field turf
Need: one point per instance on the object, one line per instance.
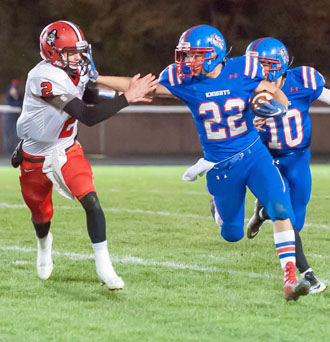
(183, 282)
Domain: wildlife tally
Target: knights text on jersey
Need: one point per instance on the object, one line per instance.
(218, 105)
(42, 126)
(292, 132)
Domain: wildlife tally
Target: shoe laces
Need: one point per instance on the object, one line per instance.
(290, 273)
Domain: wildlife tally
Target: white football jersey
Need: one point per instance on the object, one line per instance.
(42, 126)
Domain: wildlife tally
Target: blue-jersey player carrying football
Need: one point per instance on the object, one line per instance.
(288, 138)
(217, 91)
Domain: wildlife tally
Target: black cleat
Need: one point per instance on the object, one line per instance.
(316, 286)
(255, 222)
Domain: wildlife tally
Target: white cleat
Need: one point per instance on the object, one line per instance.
(44, 256)
(106, 273)
(104, 269)
(112, 281)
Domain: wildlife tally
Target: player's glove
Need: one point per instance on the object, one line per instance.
(270, 110)
(92, 72)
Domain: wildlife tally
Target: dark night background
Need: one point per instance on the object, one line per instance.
(130, 36)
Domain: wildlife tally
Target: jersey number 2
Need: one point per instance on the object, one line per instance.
(46, 89)
(233, 128)
(67, 128)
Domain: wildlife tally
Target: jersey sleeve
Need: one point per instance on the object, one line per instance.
(169, 78)
(253, 71)
(312, 80)
(179, 87)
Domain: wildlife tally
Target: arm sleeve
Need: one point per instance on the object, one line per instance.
(88, 114)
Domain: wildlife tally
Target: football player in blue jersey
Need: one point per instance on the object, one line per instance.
(217, 91)
(288, 138)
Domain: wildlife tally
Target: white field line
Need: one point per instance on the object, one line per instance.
(116, 210)
(128, 259)
(148, 212)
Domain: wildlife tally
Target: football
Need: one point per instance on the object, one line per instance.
(264, 95)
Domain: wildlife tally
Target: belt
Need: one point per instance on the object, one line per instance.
(42, 159)
(229, 162)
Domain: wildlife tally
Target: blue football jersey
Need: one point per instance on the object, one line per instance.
(219, 105)
(292, 132)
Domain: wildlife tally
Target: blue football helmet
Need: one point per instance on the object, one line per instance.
(272, 52)
(200, 48)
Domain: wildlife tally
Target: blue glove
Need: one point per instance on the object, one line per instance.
(267, 110)
(92, 72)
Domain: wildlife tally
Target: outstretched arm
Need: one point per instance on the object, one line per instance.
(91, 114)
(118, 83)
(121, 83)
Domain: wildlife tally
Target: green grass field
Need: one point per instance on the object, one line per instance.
(183, 282)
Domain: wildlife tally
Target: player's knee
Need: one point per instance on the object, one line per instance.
(42, 213)
(279, 211)
(90, 202)
(232, 233)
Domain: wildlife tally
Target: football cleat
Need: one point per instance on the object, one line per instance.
(113, 282)
(107, 275)
(316, 286)
(215, 213)
(255, 222)
(293, 288)
(44, 256)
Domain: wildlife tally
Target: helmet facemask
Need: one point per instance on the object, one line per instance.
(190, 61)
(272, 67)
(80, 67)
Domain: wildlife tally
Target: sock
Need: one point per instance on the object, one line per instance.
(102, 257)
(101, 249)
(301, 261)
(285, 247)
(43, 242)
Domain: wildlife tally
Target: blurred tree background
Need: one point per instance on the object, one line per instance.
(130, 36)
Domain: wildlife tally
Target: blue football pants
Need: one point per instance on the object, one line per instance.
(254, 168)
(297, 175)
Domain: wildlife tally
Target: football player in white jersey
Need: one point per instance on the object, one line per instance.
(58, 94)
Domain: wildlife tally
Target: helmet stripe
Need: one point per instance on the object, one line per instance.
(75, 29)
(256, 43)
(188, 32)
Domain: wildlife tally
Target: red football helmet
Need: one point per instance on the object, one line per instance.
(63, 36)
